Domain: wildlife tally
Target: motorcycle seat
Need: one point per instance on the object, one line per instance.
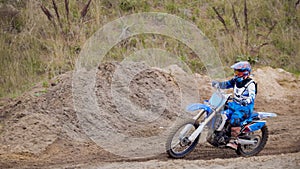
(253, 116)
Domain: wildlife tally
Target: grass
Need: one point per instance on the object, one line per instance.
(45, 37)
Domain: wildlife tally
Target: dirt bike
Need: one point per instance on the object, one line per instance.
(213, 121)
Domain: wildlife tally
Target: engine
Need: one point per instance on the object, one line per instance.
(220, 138)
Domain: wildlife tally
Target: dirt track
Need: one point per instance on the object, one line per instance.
(41, 129)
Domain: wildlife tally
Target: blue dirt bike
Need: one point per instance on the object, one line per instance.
(213, 121)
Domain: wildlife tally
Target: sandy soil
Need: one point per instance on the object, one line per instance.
(40, 129)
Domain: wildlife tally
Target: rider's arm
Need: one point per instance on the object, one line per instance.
(227, 84)
(251, 90)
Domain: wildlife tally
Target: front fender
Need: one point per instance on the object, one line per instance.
(198, 106)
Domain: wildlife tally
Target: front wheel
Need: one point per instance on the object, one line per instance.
(260, 137)
(178, 145)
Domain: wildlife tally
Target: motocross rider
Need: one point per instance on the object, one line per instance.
(243, 101)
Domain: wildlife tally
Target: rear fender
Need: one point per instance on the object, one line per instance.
(198, 106)
(263, 115)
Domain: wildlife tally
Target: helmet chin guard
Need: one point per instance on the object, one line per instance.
(239, 79)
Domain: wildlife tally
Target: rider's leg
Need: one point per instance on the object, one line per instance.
(235, 122)
(238, 116)
(235, 129)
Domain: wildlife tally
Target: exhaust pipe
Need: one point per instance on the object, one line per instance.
(246, 142)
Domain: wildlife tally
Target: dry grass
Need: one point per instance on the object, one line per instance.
(44, 38)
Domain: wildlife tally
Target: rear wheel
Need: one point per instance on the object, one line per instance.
(260, 137)
(178, 145)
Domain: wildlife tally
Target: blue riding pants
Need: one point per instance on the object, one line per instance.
(238, 113)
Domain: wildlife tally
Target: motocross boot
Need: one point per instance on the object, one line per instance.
(233, 140)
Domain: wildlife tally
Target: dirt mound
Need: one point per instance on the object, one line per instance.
(143, 87)
(276, 83)
(42, 128)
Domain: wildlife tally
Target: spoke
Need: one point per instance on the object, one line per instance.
(177, 146)
(177, 143)
(252, 136)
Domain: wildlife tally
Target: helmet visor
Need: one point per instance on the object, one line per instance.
(238, 73)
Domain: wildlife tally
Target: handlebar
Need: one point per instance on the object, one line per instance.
(217, 87)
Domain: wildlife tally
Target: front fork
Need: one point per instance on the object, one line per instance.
(197, 132)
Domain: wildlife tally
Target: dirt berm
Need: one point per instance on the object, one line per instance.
(41, 129)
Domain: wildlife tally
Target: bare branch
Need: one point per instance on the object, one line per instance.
(67, 9)
(221, 19)
(271, 29)
(67, 13)
(263, 44)
(47, 12)
(49, 15)
(246, 23)
(55, 9)
(236, 21)
(57, 13)
(85, 9)
(297, 3)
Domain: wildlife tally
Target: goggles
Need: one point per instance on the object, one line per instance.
(239, 73)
